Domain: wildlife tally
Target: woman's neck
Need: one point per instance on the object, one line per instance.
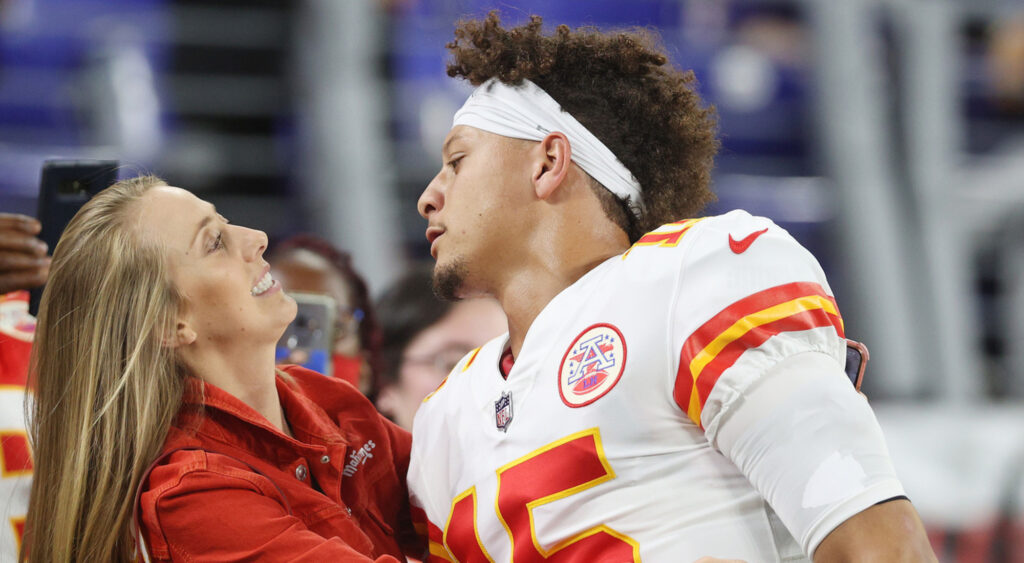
(248, 375)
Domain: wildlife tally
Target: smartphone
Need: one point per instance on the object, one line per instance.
(856, 362)
(64, 187)
(309, 339)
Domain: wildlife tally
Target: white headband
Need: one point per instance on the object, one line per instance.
(528, 112)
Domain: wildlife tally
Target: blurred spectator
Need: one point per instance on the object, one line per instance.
(424, 338)
(1006, 63)
(16, 330)
(23, 260)
(309, 264)
(23, 265)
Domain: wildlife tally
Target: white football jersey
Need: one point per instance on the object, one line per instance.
(16, 333)
(596, 447)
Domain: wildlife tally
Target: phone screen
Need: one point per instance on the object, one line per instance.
(64, 187)
(856, 362)
(308, 340)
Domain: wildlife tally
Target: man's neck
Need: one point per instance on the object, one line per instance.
(525, 293)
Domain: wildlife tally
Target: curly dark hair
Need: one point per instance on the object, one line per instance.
(620, 86)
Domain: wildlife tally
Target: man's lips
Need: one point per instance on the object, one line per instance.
(433, 233)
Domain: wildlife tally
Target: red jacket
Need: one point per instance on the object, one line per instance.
(229, 486)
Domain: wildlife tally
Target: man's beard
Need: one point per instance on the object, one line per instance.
(448, 280)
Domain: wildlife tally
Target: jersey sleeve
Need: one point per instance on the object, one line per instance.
(810, 444)
(748, 296)
(761, 349)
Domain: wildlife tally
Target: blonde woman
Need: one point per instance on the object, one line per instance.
(158, 402)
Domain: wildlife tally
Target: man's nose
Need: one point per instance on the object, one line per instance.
(432, 198)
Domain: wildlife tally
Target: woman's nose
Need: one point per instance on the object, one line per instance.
(256, 243)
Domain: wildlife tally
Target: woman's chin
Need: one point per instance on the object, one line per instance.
(291, 310)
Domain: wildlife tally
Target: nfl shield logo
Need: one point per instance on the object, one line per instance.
(503, 411)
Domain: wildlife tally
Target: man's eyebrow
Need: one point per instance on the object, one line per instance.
(448, 143)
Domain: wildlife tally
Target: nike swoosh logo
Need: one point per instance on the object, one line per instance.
(741, 246)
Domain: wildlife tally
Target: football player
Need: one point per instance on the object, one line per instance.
(671, 386)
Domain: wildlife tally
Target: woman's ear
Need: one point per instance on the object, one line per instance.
(554, 159)
(183, 335)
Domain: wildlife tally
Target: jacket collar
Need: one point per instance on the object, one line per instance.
(306, 419)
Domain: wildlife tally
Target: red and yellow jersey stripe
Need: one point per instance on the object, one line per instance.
(669, 234)
(747, 323)
(433, 535)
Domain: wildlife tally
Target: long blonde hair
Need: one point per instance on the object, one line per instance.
(106, 387)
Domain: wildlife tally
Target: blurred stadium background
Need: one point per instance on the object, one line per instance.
(886, 135)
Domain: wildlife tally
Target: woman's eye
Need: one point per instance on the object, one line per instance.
(218, 243)
(454, 163)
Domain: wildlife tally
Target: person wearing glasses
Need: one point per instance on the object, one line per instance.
(423, 338)
(309, 264)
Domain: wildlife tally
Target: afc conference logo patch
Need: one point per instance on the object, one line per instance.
(592, 365)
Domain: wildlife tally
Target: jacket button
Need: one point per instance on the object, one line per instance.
(325, 459)
(301, 472)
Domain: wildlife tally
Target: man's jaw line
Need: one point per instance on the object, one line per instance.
(449, 280)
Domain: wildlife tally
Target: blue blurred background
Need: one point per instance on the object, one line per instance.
(886, 135)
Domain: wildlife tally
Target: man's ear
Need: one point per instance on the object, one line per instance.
(183, 335)
(554, 160)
